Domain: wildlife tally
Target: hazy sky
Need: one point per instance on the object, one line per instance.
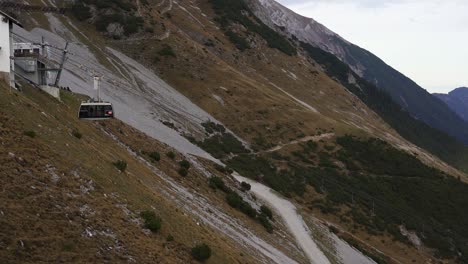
(427, 40)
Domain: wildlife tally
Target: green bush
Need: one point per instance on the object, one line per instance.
(155, 156)
(167, 51)
(183, 172)
(77, 134)
(238, 41)
(170, 155)
(201, 252)
(221, 145)
(266, 211)
(81, 12)
(263, 220)
(120, 165)
(218, 183)
(235, 201)
(30, 133)
(152, 222)
(184, 164)
(211, 127)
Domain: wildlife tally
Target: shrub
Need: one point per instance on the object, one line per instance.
(167, 51)
(155, 156)
(120, 165)
(152, 222)
(263, 220)
(184, 164)
(235, 201)
(238, 41)
(170, 155)
(81, 12)
(245, 186)
(183, 172)
(170, 238)
(30, 133)
(220, 168)
(222, 144)
(201, 252)
(266, 211)
(211, 127)
(77, 134)
(218, 183)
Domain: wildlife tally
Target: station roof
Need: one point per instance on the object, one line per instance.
(12, 20)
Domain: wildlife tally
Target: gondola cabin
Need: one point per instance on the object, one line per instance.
(96, 111)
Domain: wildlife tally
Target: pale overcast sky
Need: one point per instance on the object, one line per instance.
(427, 40)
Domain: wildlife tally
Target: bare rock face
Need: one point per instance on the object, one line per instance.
(305, 29)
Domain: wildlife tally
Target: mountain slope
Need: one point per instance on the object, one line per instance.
(457, 100)
(404, 91)
(294, 117)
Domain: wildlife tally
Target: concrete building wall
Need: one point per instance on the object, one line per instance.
(5, 50)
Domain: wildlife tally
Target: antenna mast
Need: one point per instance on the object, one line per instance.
(97, 87)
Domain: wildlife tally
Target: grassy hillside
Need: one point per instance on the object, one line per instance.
(417, 132)
(277, 102)
(64, 198)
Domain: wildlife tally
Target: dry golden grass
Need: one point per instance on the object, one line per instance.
(56, 186)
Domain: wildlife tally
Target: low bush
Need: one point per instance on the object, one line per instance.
(218, 183)
(77, 134)
(266, 211)
(120, 165)
(30, 133)
(152, 222)
(184, 164)
(81, 12)
(211, 127)
(221, 145)
(167, 51)
(263, 220)
(155, 156)
(183, 172)
(235, 201)
(170, 155)
(201, 252)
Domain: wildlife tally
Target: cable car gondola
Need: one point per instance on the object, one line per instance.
(96, 109)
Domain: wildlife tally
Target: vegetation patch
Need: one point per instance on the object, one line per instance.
(183, 172)
(237, 11)
(77, 134)
(167, 51)
(155, 156)
(30, 133)
(201, 252)
(151, 221)
(121, 165)
(415, 131)
(170, 155)
(108, 12)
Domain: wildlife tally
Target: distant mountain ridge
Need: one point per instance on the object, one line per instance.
(457, 100)
(417, 101)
